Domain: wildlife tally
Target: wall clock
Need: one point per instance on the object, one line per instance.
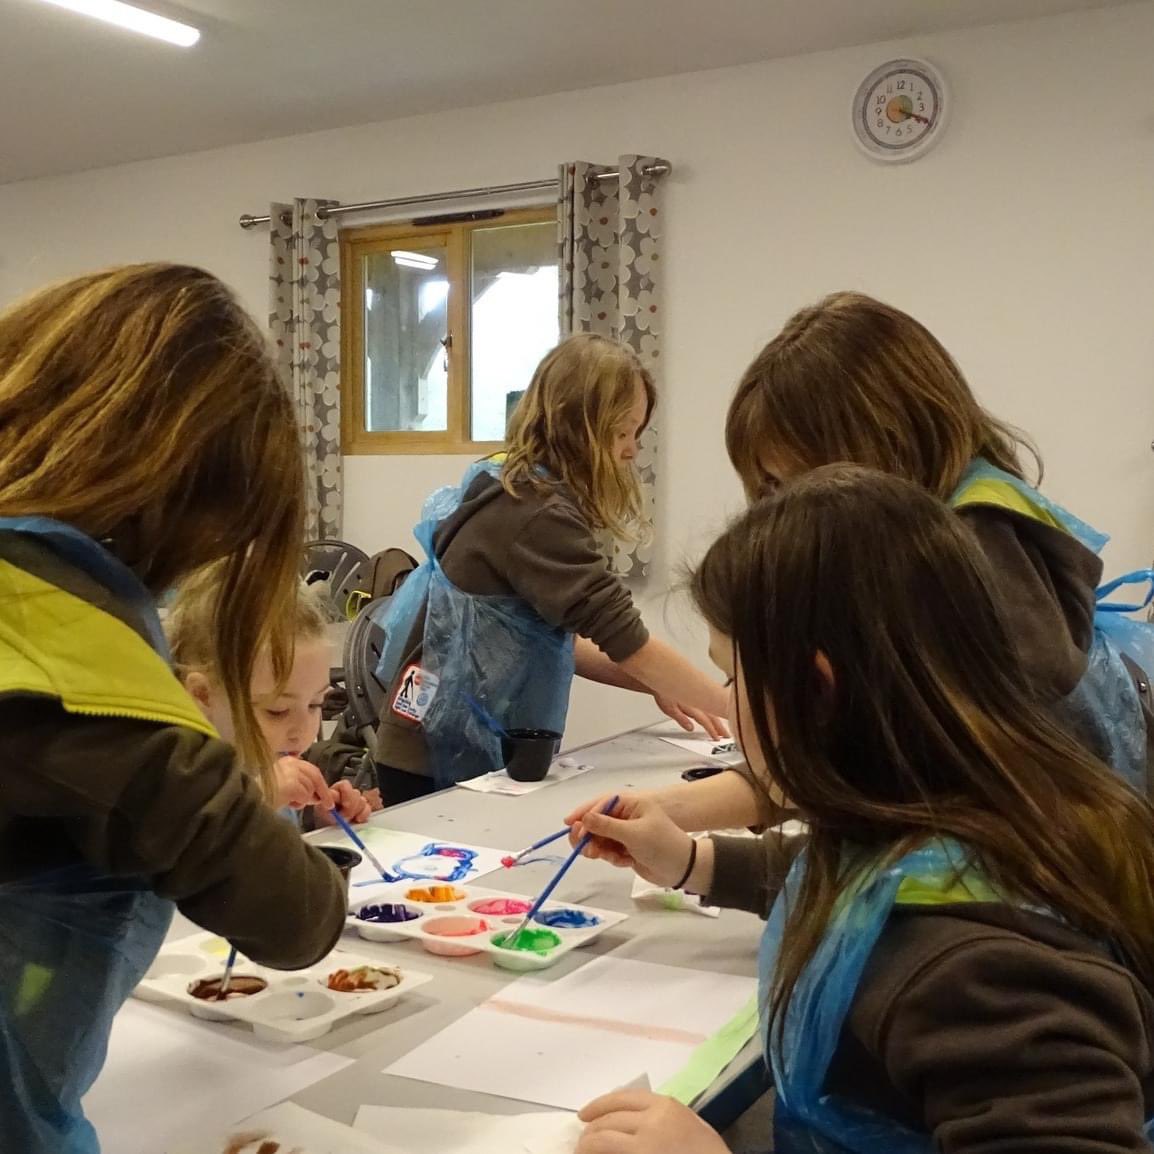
(899, 110)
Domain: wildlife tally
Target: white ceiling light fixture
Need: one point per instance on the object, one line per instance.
(134, 19)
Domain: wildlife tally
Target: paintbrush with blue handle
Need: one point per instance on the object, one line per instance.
(226, 981)
(511, 940)
(358, 841)
(515, 860)
(484, 716)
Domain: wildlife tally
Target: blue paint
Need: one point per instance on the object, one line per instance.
(567, 919)
(387, 912)
(437, 862)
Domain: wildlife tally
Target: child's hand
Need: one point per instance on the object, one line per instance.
(374, 799)
(689, 718)
(640, 834)
(350, 803)
(300, 784)
(611, 852)
(641, 1122)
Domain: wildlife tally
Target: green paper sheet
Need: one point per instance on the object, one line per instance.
(712, 1056)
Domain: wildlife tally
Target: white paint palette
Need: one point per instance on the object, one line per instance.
(292, 1007)
(456, 921)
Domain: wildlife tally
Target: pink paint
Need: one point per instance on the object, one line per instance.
(501, 907)
(465, 931)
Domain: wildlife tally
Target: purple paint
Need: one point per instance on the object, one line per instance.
(567, 919)
(387, 912)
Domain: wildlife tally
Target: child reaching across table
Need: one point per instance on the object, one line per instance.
(961, 956)
(514, 575)
(854, 380)
(288, 710)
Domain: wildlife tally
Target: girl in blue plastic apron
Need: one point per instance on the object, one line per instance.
(143, 434)
(481, 637)
(852, 379)
(961, 956)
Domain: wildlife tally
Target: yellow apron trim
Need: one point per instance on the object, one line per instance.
(920, 892)
(34, 983)
(58, 645)
(1003, 495)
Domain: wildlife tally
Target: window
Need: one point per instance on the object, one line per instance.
(443, 326)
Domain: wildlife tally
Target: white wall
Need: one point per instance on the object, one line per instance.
(1025, 240)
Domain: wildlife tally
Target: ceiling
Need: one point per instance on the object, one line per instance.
(89, 95)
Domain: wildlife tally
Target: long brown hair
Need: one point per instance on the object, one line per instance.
(923, 726)
(141, 405)
(852, 379)
(563, 429)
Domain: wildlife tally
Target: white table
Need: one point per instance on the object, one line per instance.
(727, 944)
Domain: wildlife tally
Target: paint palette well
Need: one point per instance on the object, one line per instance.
(287, 1007)
(464, 921)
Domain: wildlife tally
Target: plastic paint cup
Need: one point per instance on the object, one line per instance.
(528, 753)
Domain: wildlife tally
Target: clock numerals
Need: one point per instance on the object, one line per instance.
(898, 110)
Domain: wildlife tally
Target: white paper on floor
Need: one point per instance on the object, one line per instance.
(414, 1131)
(294, 1130)
(169, 1076)
(565, 1041)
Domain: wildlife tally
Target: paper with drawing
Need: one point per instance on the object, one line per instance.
(562, 1042)
(700, 744)
(415, 857)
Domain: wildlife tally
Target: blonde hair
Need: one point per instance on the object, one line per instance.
(563, 429)
(142, 406)
(192, 634)
(854, 380)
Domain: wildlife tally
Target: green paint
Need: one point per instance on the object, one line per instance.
(533, 941)
(33, 985)
(712, 1056)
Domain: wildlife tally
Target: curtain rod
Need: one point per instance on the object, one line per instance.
(660, 168)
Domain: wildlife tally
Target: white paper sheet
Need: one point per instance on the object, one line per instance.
(461, 1132)
(562, 1042)
(501, 782)
(700, 744)
(168, 1076)
(298, 1131)
(409, 855)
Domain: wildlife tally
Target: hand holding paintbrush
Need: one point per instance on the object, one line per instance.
(510, 941)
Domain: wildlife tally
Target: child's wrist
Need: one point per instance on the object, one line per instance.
(700, 880)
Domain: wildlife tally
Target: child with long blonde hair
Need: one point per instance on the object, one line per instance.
(288, 711)
(144, 434)
(484, 631)
(961, 956)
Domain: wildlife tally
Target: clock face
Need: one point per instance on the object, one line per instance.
(899, 109)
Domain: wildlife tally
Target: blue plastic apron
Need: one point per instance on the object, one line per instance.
(807, 1120)
(497, 651)
(1104, 710)
(73, 943)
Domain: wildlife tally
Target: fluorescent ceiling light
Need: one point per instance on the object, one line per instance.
(415, 259)
(134, 19)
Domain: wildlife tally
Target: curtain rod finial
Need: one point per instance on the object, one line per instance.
(247, 220)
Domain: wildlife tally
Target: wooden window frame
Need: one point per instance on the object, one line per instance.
(455, 236)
